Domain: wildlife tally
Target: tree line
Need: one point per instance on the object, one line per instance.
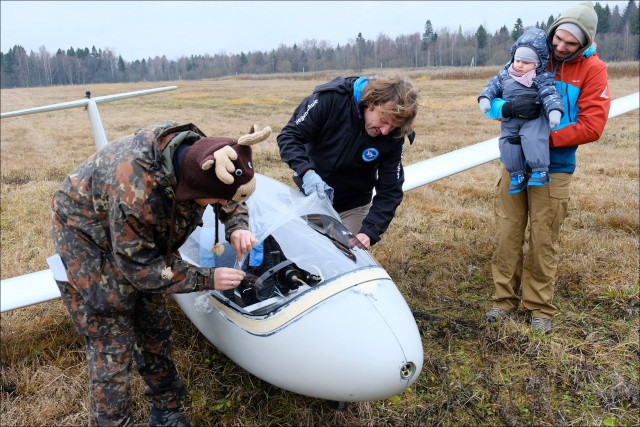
(617, 37)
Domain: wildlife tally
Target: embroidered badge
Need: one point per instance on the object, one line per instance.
(370, 154)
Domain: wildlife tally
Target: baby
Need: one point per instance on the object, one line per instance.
(524, 140)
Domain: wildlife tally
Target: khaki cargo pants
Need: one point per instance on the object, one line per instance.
(530, 277)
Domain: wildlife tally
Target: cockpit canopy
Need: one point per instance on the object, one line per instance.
(301, 244)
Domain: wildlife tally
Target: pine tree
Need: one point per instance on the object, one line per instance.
(481, 37)
(550, 21)
(428, 36)
(360, 46)
(518, 30)
(604, 14)
(630, 17)
(121, 66)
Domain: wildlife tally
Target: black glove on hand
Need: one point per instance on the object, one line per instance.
(524, 107)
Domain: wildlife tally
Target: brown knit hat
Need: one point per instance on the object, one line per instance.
(220, 168)
(215, 168)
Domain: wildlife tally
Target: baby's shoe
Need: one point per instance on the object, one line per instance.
(539, 178)
(518, 183)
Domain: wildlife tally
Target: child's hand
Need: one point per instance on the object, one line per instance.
(485, 105)
(554, 118)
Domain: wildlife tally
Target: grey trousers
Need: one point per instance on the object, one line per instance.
(533, 148)
(352, 219)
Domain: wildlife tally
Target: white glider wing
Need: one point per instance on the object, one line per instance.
(28, 289)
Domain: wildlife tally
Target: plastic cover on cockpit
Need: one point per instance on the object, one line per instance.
(300, 237)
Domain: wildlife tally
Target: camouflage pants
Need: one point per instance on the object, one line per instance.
(113, 341)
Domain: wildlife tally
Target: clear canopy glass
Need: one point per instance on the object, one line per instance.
(301, 244)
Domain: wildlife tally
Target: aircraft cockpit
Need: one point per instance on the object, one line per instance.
(297, 250)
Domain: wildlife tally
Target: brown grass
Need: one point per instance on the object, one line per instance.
(438, 250)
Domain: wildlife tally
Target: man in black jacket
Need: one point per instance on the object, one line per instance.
(345, 140)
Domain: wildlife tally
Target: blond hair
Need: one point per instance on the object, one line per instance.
(380, 90)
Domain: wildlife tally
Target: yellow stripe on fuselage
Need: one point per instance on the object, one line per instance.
(313, 297)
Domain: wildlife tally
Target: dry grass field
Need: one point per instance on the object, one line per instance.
(438, 250)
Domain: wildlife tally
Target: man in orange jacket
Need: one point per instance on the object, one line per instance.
(581, 79)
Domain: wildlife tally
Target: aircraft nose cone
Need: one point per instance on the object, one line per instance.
(350, 340)
(361, 344)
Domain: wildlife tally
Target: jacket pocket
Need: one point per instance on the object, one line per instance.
(111, 291)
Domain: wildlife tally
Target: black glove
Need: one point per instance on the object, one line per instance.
(523, 107)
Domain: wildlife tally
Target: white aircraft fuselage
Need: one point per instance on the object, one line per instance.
(350, 336)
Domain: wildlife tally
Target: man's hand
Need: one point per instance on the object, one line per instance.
(242, 241)
(312, 183)
(225, 278)
(361, 240)
(523, 107)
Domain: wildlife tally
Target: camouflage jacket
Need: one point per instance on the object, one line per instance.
(119, 202)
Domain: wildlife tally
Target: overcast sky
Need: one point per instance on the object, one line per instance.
(144, 29)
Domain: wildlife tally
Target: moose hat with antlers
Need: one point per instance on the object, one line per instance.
(219, 167)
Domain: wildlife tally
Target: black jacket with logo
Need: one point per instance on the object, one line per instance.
(327, 133)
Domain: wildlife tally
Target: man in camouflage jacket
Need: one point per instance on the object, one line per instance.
(118, 221)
